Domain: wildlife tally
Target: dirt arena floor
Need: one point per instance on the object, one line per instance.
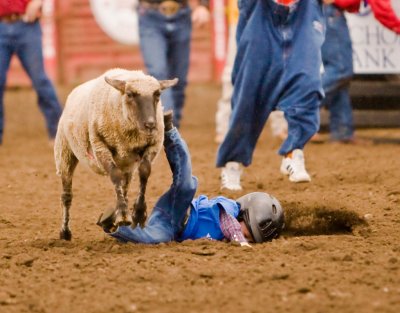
(340, 251)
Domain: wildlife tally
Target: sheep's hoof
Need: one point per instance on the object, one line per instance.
(139, 218)
(124, 223)
(65, 234)
(122, 219)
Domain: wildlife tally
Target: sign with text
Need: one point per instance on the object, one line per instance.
(376, 49)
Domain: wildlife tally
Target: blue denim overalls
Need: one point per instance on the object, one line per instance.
(278, 66)
(166, 220)
(337, 56)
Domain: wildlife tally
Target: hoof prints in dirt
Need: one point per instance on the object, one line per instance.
(320, 221)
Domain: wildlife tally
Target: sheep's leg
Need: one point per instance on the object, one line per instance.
(105, 158)
(66, 196)
(139, 213)
(121, 215)
(125, 185)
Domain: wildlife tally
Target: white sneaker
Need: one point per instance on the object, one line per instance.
(295, 168)
(230, 176)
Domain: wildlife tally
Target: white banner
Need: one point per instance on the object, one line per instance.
(376, 49)
(118, 19)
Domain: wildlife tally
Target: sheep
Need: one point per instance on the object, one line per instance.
(113, 124)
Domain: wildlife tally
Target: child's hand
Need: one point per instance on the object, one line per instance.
(245, 244)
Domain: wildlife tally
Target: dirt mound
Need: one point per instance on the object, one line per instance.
(301, 221)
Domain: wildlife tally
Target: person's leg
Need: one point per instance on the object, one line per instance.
(166, 220)
(303, 122)
(224, 103)
(338, 64)
(302, 87)
(154, 48)
(341, 116)
(177, 199)
(178, 59)
(6, 51)
(255, 78)
(29, 51)
(336, 51)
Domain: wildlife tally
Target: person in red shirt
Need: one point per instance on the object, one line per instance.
(385, 14)
(338, 65)
(382, 9)
(21, 34)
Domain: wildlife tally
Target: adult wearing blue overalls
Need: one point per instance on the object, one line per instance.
(278, 66)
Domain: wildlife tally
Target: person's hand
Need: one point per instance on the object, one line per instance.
(245, 244)
(200, 16)
(329, 1)
(32, 11)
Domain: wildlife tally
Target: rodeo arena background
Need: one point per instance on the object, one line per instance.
(279, 192)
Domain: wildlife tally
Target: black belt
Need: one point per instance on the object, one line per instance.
(11, 18)
(167, 8)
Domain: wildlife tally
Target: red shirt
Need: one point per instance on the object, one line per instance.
(8, 7)
(385, 14)
(382, 10)
(286, 2)
(348, 5)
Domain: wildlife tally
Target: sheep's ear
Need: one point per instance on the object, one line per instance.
(168, 83)
(116, 83)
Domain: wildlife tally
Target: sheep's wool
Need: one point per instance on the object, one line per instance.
(100, 128)
(139, 81)
(95, 109)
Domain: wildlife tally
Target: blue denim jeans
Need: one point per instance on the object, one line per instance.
(25, 40)
(165, 46)
(277, 66)
(166, 220)
(338, 64)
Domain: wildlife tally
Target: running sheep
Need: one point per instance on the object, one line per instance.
(113, 124)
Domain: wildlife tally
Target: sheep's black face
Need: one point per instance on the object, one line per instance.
(140, 100)
(143, 108)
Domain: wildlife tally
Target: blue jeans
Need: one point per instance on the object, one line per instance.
(166, 220)
(165, 46)
(25, 40)
(277, 66)
(338, 64)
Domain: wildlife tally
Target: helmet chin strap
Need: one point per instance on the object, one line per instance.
(246, 219)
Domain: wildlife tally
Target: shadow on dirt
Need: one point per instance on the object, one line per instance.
(382, 140)
(320, 221)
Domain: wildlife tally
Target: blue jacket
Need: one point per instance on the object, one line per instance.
(204, 217)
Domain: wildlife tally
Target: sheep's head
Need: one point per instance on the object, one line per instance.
(140, 99)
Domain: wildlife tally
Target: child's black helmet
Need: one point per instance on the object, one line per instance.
(262, 214)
